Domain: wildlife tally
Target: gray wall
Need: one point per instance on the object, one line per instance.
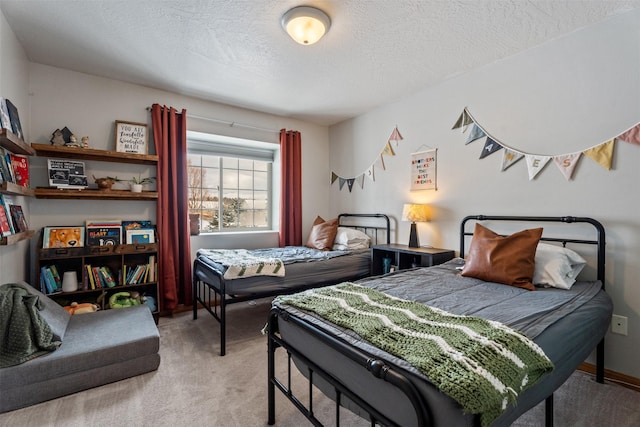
(561, 97)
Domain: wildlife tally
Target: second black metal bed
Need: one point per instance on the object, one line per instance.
(214, 292)
(391, 394)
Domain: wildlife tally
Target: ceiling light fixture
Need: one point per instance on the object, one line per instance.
(305, 24)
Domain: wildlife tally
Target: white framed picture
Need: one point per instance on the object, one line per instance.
(131, 137)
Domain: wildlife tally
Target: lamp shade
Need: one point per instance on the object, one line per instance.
(306, 25)
(415, 213)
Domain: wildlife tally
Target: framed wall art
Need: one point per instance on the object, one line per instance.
(131, 137)
(423, 170)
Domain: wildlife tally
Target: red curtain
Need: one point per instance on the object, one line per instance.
(291, 188)
(174, 264)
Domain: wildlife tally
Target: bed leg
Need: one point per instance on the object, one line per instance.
(600, 362)
(271, 372)
(195, 298)
(223, 329)
(548, 411)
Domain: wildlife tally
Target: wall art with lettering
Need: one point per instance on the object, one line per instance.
(131, 137)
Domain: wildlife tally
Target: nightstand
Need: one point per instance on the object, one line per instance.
(402, 257)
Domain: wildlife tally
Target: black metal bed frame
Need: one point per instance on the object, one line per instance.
(384, 370)
(215, 299)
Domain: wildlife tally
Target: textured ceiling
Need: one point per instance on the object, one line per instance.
(235, 51)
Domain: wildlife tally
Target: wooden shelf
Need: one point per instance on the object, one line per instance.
(91, 154)
(90, 194)
(14, 144)
(15, 238)
(19, 190)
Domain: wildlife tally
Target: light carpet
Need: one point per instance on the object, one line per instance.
(194, 386)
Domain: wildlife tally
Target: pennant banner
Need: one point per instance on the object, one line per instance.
(601, 153)
(387, 150)
(567, 163)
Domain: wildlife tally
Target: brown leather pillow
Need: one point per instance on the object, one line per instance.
(323, 233)
(503, 259)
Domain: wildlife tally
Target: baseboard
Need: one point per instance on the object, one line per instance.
(612, 376)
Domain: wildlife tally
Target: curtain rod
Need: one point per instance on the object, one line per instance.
(227, 122)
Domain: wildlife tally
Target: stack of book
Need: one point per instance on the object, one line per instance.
(141, 273)
(14, 168)
(50, 281)
(99, 277)
(12, 219)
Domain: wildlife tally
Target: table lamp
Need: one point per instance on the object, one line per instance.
(414, 213)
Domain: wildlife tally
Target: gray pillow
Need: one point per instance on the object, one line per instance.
(52, 313)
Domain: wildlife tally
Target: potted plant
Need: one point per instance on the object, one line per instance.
(137, 183)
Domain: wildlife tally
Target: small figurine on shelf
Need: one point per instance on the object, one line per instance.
(85, 142)
(57, 137)
(73, 142)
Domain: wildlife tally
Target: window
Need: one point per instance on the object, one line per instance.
(230, 182)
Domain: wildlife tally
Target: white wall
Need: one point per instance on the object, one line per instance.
(564, 96)
(89, 105)
(13, 85)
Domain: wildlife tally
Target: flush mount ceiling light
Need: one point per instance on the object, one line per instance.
(306, 25)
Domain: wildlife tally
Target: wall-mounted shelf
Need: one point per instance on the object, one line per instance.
(18, 190)
(11, 142)
(91, 154)
(90, 194)
(15, 238)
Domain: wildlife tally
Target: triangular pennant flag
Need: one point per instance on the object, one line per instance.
(509, 158)
(342, 181)
(370, 173)
(395, 135)
(567, 163)
(602, 153)
(360, 180)
(464, 120)
(476, 133)
(631, 136)
(388, 150)
(490, 147)
(334, 176)
(350, 182)
(535, 164)
(380, 162)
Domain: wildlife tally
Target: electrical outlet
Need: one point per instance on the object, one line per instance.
(619, 324)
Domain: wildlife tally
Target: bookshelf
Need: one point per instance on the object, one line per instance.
(117, 258)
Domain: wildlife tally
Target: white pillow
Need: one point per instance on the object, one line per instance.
(350, 239)
(556, 266)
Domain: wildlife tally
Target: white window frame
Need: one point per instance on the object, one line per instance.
(226, 146)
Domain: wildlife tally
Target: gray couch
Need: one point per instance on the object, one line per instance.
(97, 348)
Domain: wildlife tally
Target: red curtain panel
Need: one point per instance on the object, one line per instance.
(291, 188)
(174, 264)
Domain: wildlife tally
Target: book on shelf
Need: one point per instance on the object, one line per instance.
(143, 235)
(5, 202)
(104, 235)
(109, 281)
(91, 283)
(5, 120)
(20, 168)
(18, 218)
(5, 168)
(14, 118)
(5, 225)
(63, 237)
(48, 283)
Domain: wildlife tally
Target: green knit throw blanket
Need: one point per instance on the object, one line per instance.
(481, 364)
